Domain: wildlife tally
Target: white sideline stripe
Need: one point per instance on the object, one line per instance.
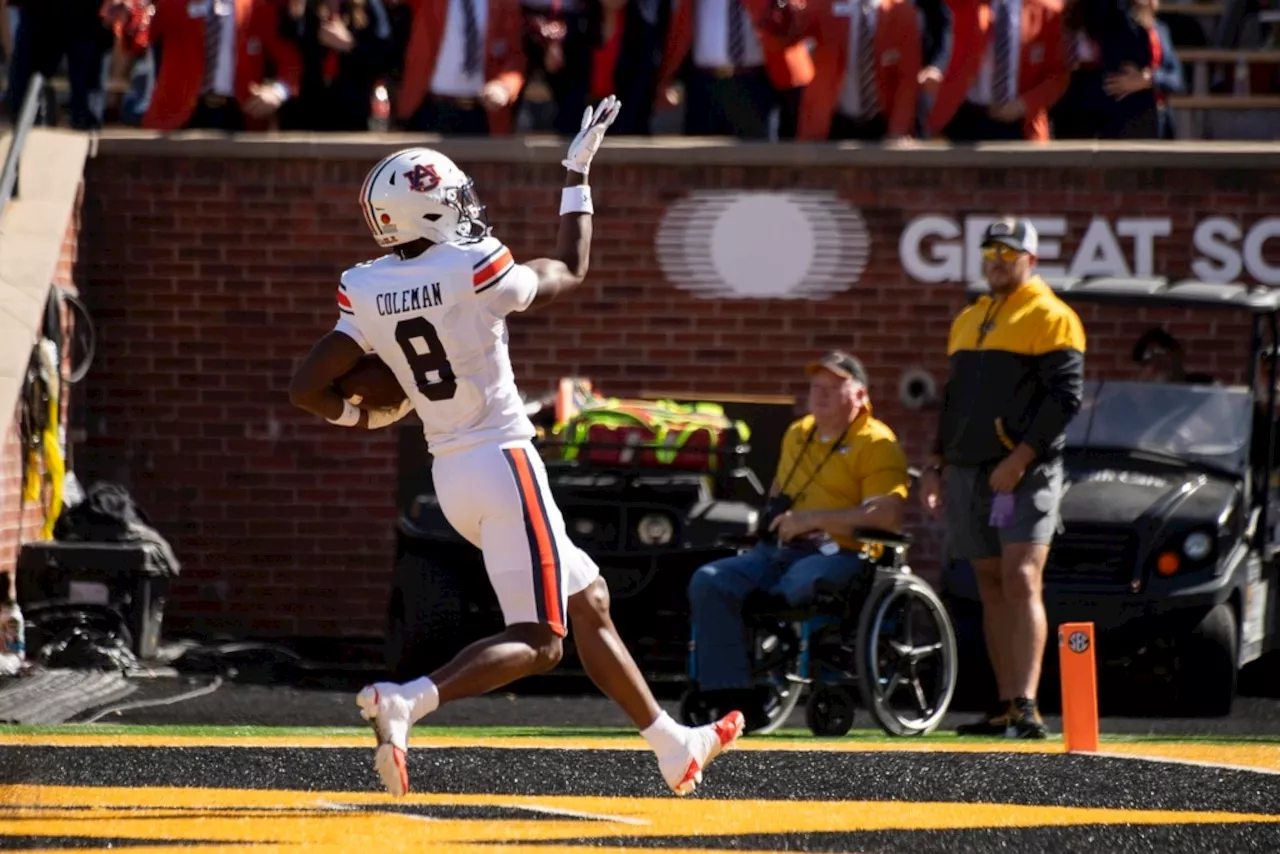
(538, 808)
(1175, 761)
(624, 819)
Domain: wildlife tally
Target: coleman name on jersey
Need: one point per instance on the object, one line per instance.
(410, 299)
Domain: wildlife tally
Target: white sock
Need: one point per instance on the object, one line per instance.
(664, 735)
(425, 697)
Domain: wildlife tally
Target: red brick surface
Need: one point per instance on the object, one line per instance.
(209, 277)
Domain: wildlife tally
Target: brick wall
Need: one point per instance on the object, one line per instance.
(15, 530)
(209, 275)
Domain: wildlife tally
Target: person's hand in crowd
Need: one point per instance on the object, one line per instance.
(1126, 81)
(930, 79)
(495, 95)
(666, 98)
(931, 491)
(264, 100)
(335, 35)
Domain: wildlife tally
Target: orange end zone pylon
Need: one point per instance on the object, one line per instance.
(1079, 687)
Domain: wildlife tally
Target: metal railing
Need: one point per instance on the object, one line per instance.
(21, 129)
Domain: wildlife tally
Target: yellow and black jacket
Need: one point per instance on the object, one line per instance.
(1017, 375)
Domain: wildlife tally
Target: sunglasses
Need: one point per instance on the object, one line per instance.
(1005, 253)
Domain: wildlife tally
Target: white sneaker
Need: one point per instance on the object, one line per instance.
(683, 770)
(391, 715)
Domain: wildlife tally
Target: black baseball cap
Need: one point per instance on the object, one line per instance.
(842, 364)
(1015, 233)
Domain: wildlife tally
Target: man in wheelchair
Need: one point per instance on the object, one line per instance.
(839, 469)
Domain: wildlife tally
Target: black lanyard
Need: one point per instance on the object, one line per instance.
(823, 462)
(989, 321)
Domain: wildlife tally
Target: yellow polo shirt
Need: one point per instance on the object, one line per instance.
(869, 463)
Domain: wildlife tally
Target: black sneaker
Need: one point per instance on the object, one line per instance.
(995, 722)
(1025, 721)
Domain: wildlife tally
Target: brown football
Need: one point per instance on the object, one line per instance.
(373, 381)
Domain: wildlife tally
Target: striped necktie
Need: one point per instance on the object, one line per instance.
(212, 45)
(1000, 80)
(737, 49)
(471, 58)
(868, 92)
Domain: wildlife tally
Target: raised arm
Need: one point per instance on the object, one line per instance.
(568, 267)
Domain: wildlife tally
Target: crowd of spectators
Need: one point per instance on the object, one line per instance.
(963, 70)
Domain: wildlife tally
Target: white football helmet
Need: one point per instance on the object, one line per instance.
(418, 192)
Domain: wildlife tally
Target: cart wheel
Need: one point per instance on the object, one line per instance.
(829, 711)
(693, 709)
(1207, 669)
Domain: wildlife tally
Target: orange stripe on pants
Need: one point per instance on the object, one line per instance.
(546, 566)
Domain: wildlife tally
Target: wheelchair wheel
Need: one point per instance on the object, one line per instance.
(693, 709)
(906, 656)
(776, 651)
(829, 711)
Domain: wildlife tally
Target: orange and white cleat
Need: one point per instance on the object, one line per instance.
(390, 715)
(683, 771)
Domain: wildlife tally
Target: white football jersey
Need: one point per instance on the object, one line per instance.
(438, 321)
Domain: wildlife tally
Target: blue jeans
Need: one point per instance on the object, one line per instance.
(716, 592)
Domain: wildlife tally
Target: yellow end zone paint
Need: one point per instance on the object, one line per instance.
(1263, 757)
(347, 821)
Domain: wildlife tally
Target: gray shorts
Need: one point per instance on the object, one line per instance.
(967, 497)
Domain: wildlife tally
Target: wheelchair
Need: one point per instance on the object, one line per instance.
(885, 639)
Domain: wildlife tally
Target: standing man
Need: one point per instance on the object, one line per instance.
(866, 71)
(1017, 375)
(220, 64)
(464, 67)
(1007, 66)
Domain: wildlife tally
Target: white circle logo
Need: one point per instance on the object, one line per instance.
(763, 245)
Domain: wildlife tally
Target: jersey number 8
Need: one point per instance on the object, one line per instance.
(425, 354)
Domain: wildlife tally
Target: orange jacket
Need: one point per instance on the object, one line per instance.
(897, 48)
(178, 32)
(504, 58)
(788, 67)
(1043, 75)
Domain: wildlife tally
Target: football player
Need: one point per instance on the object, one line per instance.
(434, 311)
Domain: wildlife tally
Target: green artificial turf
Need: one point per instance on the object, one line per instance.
(864, 735)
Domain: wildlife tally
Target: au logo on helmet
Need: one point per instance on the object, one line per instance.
(423, 178)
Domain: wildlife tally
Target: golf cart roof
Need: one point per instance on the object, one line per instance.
(1187, 293)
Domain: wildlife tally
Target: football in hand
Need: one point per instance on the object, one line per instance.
(374, 383)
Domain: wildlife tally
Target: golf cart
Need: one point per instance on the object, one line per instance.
(650, 489)
(1167, 537)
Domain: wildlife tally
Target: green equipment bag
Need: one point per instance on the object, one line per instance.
(651, 433)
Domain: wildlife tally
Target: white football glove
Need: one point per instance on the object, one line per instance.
(587, 142)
